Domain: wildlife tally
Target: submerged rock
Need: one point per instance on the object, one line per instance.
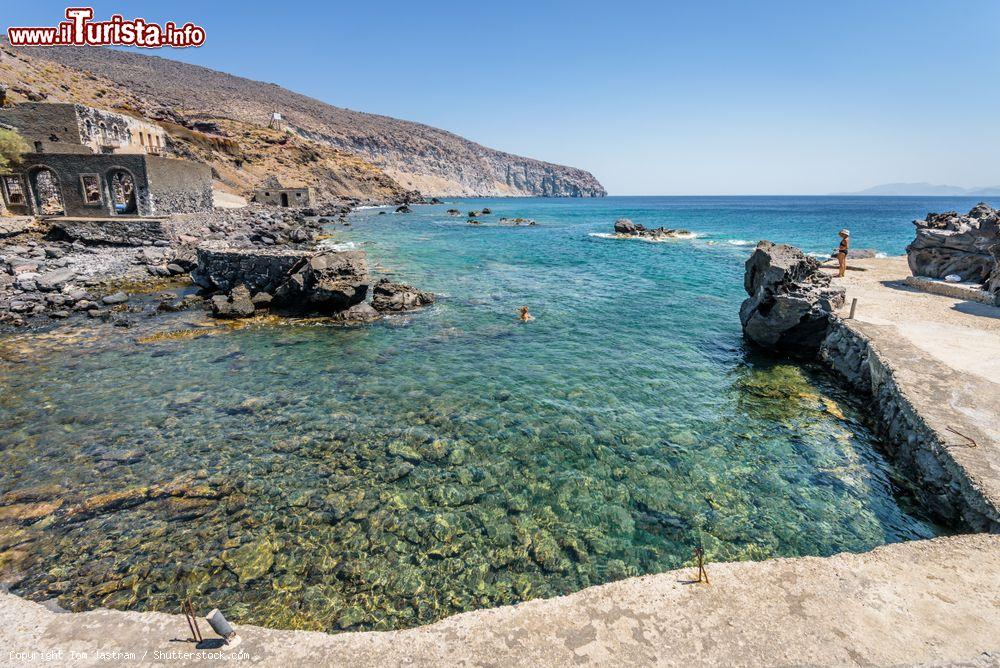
(791, 301)
(389, 296)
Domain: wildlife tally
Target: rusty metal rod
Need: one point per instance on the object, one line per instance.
(972, 441)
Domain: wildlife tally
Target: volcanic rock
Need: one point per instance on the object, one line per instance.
(389, 296)
(790, 302)
(953, 243)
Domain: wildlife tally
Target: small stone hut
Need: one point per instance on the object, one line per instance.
(278, 193)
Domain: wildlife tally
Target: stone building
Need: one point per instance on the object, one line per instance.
(91, 163)
(273, 191)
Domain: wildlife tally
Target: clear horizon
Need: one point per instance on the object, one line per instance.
(721, 99)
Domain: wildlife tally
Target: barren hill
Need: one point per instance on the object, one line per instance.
(417, 156)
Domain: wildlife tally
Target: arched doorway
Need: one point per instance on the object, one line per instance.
(46, 191)
(122, 187)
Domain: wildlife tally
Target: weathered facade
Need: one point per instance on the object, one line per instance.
(75, 128)
(276, 193)
(95, 164)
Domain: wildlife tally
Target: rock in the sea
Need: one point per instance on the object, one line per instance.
(953, 243)
(359, 313)
(327, 282)
(116, 298)
(791, 301)
(626, 228)
(403, 208)
(237, 304)
(390, 297)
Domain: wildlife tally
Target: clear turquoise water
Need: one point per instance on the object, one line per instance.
(453, 458)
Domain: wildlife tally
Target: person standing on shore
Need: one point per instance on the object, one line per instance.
(845, 244)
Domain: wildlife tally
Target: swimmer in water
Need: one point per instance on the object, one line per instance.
(525, 316)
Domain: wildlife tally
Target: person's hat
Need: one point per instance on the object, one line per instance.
(845, 232)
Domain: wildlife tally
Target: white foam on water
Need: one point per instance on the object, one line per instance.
(611, 235)
(326, 244)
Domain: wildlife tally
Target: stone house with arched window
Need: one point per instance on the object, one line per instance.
(92, 163)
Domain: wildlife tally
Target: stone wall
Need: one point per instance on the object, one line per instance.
(914, 418)
(119, 231)
(69, 166)
(53, 126)
(178, 186)
(259, 269)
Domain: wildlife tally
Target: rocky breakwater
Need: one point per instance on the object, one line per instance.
(626, 229)
(963, 245)
(298, 282)
(791, 302)
(915, 399)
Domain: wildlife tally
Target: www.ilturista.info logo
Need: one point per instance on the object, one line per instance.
(80, 30)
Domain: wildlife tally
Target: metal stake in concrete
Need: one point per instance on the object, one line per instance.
(192, 620)
(854, 305)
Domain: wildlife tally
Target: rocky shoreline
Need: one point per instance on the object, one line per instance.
(792, 309)
(61, 269)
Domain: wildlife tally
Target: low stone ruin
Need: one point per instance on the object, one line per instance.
(298, 282)
(791, 302)
(626, 228)
(965, 245)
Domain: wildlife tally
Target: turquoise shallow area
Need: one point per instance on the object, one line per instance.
(312, 476)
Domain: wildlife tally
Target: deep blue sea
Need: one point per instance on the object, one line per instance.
(453, 458)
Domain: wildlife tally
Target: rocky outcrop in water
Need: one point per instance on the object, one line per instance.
(394, 297)
(285, 280)
(791, 303)
(626, 228)
(961, 244)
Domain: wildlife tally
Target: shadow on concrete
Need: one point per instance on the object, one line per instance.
(977, 308)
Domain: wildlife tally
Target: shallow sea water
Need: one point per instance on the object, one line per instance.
(311, 476)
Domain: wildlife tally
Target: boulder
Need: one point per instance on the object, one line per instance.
(624, 226)
(953, 243)
(791, 302)
(359, 313)
(403, 208)
(237, 304)
(394, 297)
(325, 283)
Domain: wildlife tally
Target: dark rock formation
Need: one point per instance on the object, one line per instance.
(287, 281)
(237, 304)
(404, 208)
(394, 297)
(327, 282)
(951, 243)
(625, 227)
(791, 302)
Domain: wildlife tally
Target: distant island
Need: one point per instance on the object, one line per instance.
(926, 189)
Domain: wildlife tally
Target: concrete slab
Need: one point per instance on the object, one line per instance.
(930, 601)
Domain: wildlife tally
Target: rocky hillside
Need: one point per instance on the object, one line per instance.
(416, 156)
(241, 154)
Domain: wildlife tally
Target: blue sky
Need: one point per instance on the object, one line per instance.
(654, 98)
